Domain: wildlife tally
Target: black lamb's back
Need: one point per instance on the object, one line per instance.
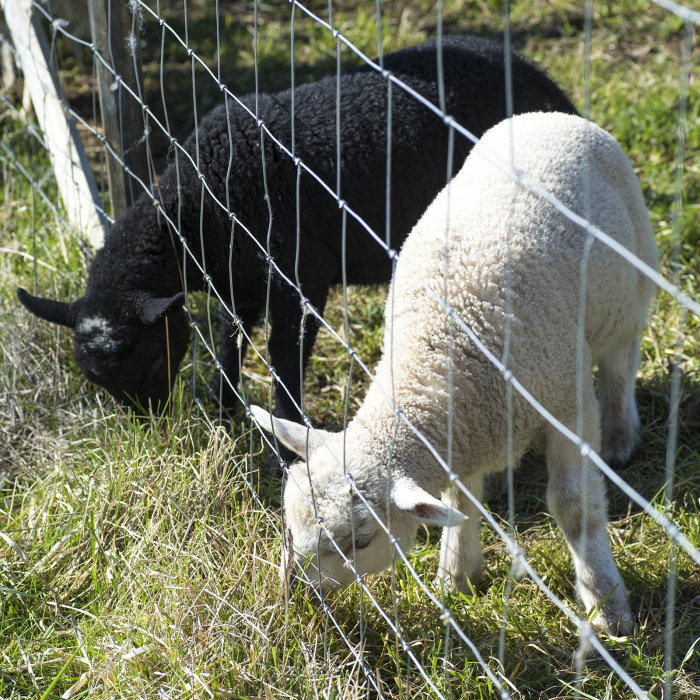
(229, 150)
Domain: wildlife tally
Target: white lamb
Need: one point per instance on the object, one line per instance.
(491, 233)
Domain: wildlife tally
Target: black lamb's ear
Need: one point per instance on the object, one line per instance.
(153, 308)
(59, 312)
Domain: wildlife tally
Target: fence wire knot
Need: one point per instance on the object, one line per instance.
(446, 617)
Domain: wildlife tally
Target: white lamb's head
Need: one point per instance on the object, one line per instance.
(335, 529)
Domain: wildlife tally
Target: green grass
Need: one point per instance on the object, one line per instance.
(140, 559)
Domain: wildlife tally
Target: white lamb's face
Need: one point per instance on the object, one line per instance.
(337, 529)
(346, 521)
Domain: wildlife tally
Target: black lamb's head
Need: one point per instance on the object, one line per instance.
(133, 350)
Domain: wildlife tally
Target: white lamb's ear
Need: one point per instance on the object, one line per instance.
(290, 434)
(412, 499)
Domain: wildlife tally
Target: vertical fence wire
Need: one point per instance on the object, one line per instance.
(674, 399)
(583, 362)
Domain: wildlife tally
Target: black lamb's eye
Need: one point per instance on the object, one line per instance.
(155, 366)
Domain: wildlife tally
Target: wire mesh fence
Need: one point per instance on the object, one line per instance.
(284, 166)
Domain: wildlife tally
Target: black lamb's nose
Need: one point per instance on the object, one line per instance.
(94, 375)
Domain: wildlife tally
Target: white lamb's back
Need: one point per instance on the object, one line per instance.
(509, 249)
(505, 240)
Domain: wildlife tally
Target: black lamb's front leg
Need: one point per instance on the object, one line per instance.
(231, 353)
(286, 343)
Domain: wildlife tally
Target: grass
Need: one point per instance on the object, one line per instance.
(139, 559)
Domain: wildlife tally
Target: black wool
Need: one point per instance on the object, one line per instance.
(136, 280)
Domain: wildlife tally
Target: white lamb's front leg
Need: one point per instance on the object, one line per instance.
(460, 550)
(576, 498)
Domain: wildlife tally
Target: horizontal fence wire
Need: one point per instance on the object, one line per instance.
(204, 342)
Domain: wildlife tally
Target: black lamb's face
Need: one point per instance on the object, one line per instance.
(135, 357)
(136, 363)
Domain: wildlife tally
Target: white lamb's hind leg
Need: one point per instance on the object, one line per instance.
(576, 498)
(460, 550)
(619, 419)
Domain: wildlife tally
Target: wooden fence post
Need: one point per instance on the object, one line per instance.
(73, 175)
(122, 115)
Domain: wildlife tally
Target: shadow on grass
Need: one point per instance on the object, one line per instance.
(645, 472)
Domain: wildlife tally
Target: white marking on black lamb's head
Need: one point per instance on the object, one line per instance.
(98, 333)
(134, 354)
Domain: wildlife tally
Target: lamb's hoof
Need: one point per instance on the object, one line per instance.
(614, 625)
(450, 584)
(607, 605)
(463, 583)
(617, 449)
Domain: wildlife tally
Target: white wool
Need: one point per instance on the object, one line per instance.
(491, 219)
(502, 257)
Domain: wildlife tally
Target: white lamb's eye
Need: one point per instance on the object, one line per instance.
(362, 541)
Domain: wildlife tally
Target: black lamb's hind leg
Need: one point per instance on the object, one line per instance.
(231, 353)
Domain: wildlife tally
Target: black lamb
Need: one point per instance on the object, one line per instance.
(131, 331)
